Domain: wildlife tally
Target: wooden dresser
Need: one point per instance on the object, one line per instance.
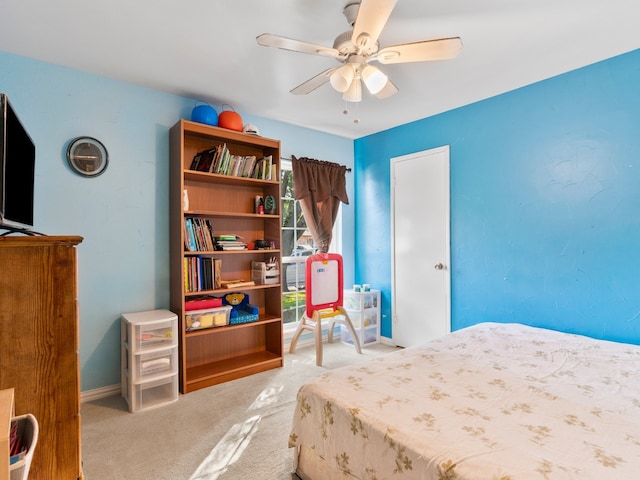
(39, 346)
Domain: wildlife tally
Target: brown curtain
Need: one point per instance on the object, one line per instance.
(320, 187)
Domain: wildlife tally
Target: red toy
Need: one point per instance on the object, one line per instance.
(230, 120)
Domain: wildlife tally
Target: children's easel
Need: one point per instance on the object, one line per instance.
(324, 286)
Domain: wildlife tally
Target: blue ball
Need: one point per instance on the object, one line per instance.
(205, 114)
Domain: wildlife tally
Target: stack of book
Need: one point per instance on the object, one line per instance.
(237, 283)
(230, 242)
(219, 160)
(264, 169)
(201, 273)
(198, 235)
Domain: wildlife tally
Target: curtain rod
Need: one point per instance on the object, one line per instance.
(289, 159)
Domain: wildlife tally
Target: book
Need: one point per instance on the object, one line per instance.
(236, 283)
(206, 158)
(189, 236)
(196, 161)
(198, 235)
(221, 159)
(16, 449)
(231, 246)
(185, 273)
(247, 170)
(206, 280)
(230, 237)
(267, 171)
(217, 271)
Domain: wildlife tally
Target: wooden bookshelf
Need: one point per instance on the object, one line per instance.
(219, 354)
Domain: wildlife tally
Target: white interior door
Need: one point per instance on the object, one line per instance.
(420, 246)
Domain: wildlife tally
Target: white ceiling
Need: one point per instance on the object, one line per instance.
(206, 50)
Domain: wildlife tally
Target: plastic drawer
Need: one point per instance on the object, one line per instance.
(149, 365)
(359, 301)
(366, 336)
(150, 330)
(151, 394)
(366, 318)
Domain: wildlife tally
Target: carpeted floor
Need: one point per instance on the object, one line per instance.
(236, 430)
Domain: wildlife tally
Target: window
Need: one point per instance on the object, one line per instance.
(297, 245)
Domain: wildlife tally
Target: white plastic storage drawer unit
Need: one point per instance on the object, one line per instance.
(364, 311)
(153, 393)
(149, 358)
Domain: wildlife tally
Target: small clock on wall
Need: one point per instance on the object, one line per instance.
(87, 156)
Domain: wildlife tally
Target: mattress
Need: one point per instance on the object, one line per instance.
(492, 401)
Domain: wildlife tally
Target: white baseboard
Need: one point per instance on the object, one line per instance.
(387, 341)
(101, 392)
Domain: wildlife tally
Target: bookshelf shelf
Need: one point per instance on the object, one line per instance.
(224, 291)
(230, 252)
(229, 179)
(217, 213)
(221, 330)
(219, 354)
(230, 369)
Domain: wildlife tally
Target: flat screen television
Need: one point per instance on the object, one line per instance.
(17, 170)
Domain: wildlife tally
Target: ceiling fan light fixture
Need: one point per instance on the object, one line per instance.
(388, 90)
(354, 93)
(342, 78)
(374, 79)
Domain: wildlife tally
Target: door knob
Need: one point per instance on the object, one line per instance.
(439, 266)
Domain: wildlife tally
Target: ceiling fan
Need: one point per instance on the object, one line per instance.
(357, 48)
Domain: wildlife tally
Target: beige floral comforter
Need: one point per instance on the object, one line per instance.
(492, 401)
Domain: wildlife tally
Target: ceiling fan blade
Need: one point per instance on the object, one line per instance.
(371, 19)
(388, 90)
(314, 82)
(270, 40)
(440, 49)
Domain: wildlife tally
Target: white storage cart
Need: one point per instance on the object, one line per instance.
(149, 358)
(364, 310)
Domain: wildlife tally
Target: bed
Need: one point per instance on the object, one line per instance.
(492, 401)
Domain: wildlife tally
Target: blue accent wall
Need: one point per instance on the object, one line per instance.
(545, 203)
(123, 214)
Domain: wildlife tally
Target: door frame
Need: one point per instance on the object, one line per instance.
(446, 227)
